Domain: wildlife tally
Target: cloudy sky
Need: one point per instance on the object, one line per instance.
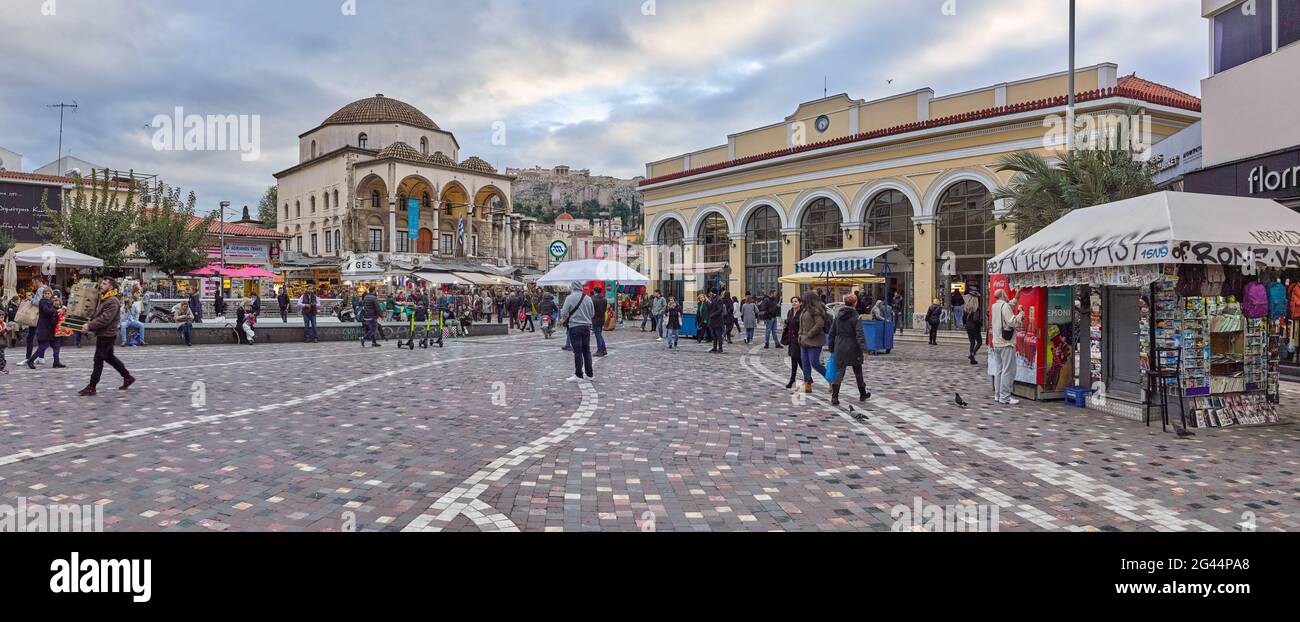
(600, 84)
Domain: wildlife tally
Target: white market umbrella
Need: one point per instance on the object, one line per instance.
(593, 270)
(1162, 228)
(61, 258)
(10, 276)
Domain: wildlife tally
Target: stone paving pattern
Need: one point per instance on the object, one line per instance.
(486, 435)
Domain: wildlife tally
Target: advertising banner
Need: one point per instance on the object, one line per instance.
(413, 218)
(1030, 353)
(1059, 358)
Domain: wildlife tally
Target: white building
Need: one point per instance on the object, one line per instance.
(380, 178)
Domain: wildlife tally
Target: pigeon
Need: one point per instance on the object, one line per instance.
(961, 402)
(1184, 432)
(856, 415)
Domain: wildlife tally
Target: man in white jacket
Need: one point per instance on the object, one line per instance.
(1006, 316)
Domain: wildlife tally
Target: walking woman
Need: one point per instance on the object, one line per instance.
(749, 314)
(849, 345)
(702, 320)
(47, 321)
(812, 337)
(790, 338)
(673, 317)
(974, 331)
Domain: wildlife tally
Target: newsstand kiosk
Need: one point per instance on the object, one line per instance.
(1178, 303)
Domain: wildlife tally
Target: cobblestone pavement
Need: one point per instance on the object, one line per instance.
(486, 435)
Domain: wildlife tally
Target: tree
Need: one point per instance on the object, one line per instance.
(95, 220)
(1043, 190)
(166, 237)
(267, 210)
(6, 242)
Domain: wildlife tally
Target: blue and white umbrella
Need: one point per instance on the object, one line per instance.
(842, 261)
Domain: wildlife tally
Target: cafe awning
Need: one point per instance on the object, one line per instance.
(832, 279)
(439, 278)
(844, 260)
(478, 278)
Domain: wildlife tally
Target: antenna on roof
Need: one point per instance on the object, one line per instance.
(62, 106)
(826, 87)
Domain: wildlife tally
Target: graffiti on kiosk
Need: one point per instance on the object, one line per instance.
(1208, 253)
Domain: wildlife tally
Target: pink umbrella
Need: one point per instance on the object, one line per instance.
(212, 270)
(252, 272)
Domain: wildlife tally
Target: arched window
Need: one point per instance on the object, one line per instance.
(821, 227)
(312, 202)
(889, 221)
(426, 202)
(965, 214)
(374, 199)
(286, 211)
(336, 199)
(424, 146)
(363, 141)
(313, 149)
(338, 244)
(297, 209)
(714, 240)
(670, 240)
(763, 251)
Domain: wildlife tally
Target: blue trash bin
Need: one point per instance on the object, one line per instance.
(688, 326)
(879, 336)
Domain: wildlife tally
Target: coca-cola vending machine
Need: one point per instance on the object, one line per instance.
(1044, 352)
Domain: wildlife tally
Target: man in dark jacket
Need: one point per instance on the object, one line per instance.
(600, 306)
(196, 306)
(370, 315)
(46, 320)
(717, 309)
(512, 309)
(283, 301)
(848, 344)
(103, 325)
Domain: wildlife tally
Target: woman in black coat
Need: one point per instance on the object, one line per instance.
(47, 320)
(790, 337)
(848, 343)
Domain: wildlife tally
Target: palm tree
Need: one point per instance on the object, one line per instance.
(1043, 190)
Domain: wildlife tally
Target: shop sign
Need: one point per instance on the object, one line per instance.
(1276, 176)
(362, 264)
(20, 209)
(245, 253)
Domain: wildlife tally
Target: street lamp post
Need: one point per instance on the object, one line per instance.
(1069, 109)
(221, 229)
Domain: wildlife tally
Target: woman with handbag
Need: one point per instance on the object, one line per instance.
(812, 337)
(849, 346)
(790, 339)
(45, 328)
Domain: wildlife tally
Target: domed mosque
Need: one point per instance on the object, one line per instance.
(380, 179)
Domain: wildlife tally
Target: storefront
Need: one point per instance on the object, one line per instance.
(1164, 282)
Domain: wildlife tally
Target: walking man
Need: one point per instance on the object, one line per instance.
(658, 306)
(768, 311)
(600, 307)
(577, 315)
(103, 325)
(370, 311)
(1006, 319)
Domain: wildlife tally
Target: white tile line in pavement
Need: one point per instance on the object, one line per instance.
(1123, 503)
(919, 453)
(337, 389)
(464, 497)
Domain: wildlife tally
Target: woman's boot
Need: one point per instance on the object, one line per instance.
(835, 394)
(807, 387)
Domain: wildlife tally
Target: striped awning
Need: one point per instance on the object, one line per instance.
(846, 260)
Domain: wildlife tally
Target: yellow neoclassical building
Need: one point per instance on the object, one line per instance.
(913, 170)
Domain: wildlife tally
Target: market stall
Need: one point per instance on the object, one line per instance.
(1184, 286)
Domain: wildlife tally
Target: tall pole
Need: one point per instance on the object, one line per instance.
(61, 106)
(1069, 110)
(221, 229)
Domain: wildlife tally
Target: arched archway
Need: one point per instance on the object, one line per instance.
(454, 204)
(964, 238)
(763, 250)
(372, 193)
(669, 239)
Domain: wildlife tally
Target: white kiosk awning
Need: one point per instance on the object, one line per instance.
(846, 260)
(1162, 228)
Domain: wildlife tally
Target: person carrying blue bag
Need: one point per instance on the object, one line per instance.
(848, 350)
